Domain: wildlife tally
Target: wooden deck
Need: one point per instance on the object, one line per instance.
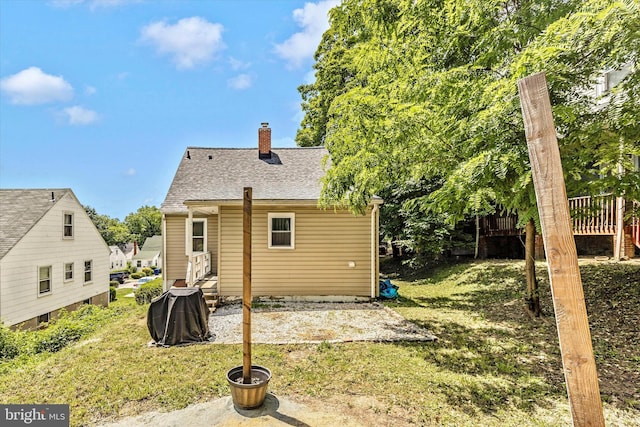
(590, 216)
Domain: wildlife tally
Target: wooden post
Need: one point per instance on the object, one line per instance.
(246, 286)
(562, 259)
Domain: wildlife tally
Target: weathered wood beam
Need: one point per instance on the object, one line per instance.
(246, 285)
(562, 258)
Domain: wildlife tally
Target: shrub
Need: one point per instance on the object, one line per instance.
(8, 346)
(114, 283)
(132, 268)
(56, 338)
(136, 275)
(147, 271)
(148, 291)
(112, 293)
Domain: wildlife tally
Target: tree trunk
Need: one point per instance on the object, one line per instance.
(475, 256)
(533, 298)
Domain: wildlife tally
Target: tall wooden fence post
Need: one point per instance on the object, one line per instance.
(246, 285)
(562, 258)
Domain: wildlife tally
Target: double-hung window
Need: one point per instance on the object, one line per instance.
(281, 230)
(44, 280)
(67, 225)
(198, 235)
(88, 271)
(68, 271)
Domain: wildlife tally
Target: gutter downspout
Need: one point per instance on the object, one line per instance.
(189, 277)
(374, 251)
(164, 252)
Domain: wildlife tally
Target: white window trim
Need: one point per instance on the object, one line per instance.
(73, 231)
(187, 237)
(41, 294)
(84, 271)
(64, 272)
(290, 215)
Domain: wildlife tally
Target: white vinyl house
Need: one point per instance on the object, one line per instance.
(117, 258)
(51, 256)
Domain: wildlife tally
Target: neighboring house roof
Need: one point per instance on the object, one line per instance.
(127, 249)
(220, 174)
(151, 248)
(21, 209)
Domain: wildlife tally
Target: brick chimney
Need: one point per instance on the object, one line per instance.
(264, 141)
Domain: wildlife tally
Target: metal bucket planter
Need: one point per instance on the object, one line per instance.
(248, 396)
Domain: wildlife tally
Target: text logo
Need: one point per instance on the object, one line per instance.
(34, 415)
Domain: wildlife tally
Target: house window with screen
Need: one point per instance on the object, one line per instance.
(88, 271)
(67, 228)
(44, 280)
(281, 230)
(68, 271)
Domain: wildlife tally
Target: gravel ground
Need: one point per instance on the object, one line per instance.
(298, 322)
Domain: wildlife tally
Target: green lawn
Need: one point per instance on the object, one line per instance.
(492, 365)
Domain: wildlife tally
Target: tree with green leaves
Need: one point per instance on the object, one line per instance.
(432, 96)
(145, 222)
(112, 230)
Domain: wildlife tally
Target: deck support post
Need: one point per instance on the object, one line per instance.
(562, 258)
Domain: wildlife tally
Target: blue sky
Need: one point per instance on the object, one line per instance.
(103, 96)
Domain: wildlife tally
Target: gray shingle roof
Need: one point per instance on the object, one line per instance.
(20, 210)
(221, 173)
(152, 247)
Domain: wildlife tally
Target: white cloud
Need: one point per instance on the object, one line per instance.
(130, 172)
(89, 90)
(79, 116)
(236, 64)
(190, 42)
(31, 87)
(240, 82)
(123, 75)
(314, 20)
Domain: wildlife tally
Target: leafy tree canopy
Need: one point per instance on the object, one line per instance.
(145, 222)
(415, 90)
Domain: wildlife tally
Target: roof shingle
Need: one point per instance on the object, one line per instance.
(218, 174)
(21, 209)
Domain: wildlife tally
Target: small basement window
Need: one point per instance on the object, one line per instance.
(44, 318)
(281, 230)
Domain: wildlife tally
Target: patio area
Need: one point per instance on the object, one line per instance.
(305, 322)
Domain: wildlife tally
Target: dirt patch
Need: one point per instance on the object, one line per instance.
(294, 323)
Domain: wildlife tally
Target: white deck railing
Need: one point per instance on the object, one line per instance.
(593, 215)
(200, 268)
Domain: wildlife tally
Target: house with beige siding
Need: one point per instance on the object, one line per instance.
(51, 256)
(298, 249)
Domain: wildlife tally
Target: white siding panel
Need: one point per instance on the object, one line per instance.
(43, 245)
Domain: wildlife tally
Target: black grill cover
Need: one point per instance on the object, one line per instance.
(179, 316)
